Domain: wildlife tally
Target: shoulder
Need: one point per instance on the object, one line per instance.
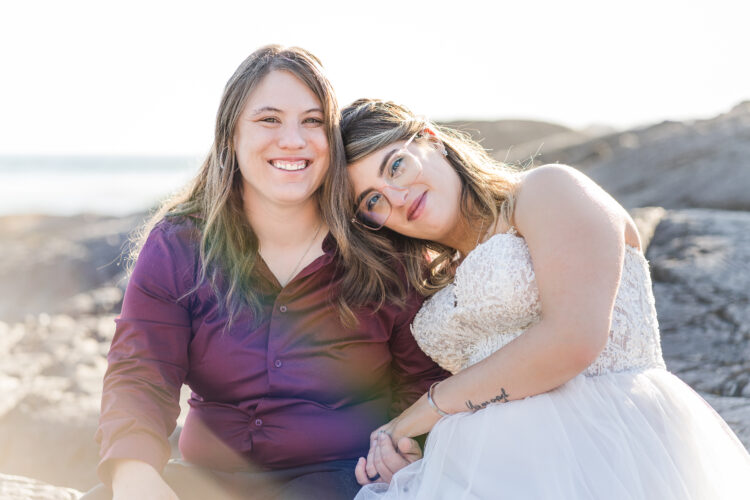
(178, 232)
(542, 181)
(171, 244)
(561, 193)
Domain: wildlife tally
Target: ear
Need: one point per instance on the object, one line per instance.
(433, 139)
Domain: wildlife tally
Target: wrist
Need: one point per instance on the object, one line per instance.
(432, 403)
(125, 470)
(423, 418)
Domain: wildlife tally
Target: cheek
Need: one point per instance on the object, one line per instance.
(320, 142)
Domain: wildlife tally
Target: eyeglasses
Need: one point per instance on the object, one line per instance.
(399, 169)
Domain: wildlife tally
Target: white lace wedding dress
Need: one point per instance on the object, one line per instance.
(623, 429)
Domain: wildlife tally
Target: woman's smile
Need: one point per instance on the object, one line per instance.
(290, 164)
(417, 207)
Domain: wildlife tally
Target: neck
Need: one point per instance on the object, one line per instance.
(283, 226)
(467, 235)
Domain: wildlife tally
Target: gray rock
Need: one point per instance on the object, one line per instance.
(700, 265)
(24, 488)
(47, 261)
(699, 164)
(51, 369)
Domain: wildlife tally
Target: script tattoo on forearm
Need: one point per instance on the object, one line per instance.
(501, 398)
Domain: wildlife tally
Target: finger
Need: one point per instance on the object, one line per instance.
(410, 449)
(360, 473)
(377, 432)
(382, 468)
(370, 461)
(391, 457)
(387, 459)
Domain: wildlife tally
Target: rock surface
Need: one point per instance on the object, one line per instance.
(700, 164)
(46, 261)
(23, 488)
(700, 263)
(696, 164)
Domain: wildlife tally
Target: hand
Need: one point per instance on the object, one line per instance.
(137, 479)
(383, 460)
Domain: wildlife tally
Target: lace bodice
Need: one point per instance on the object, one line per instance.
(494, 299)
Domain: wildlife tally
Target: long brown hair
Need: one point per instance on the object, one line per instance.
(487, 194)
(228, 245)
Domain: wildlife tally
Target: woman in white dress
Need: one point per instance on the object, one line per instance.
(540, 304)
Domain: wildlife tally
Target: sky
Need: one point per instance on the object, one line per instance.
(145, 77)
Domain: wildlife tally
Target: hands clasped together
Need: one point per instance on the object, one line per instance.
(385, 458)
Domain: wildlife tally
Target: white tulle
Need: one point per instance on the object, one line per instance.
(624, 429)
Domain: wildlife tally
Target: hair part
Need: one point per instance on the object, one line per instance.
(487, 196)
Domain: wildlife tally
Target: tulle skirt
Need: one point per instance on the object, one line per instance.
(630, 435)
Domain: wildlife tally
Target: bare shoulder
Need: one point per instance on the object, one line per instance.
(546, 179)
(563, 196)
(554, 189)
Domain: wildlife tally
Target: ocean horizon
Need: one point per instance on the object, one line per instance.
(104, 185)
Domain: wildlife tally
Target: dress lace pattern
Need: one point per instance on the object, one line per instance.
(494, 299)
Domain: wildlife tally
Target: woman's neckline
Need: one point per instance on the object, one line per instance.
(514, 233)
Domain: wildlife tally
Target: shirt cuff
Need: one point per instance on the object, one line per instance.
(140, 446)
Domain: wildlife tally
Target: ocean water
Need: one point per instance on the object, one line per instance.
(107, 185)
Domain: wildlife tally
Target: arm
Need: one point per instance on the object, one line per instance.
(148, 359)
(412, 370)
(574, 232)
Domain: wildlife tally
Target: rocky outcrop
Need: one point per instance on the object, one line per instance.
(50, 385)
(46, 261)
(700, 264)
(522, 141)
(700, 164)
(24, 488)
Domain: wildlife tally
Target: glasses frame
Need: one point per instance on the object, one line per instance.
(405, 147)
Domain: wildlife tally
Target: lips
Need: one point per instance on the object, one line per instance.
(416, 207)
(290, 165)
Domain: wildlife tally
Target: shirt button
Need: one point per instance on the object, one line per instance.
(282, 309)
(258, 422)
(277, 363)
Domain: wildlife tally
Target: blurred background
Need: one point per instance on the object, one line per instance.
(107, 107)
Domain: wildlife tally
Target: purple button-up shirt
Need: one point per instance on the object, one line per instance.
(291, 387)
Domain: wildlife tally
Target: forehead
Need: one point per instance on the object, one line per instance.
(282, 90)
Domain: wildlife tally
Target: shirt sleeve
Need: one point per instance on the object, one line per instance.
(148, 358)
(413, 370)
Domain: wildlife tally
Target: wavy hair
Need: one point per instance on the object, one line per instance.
(487, 194)
(229, 247)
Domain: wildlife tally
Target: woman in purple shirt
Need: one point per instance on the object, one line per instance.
(241, 290)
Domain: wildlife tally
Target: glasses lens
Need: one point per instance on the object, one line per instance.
(403, 169)
(374, 210)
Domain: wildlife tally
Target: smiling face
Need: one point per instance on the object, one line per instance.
(280, 142)
(428, 207)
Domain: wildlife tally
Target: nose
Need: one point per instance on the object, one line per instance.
(396, 195)
(291, 137)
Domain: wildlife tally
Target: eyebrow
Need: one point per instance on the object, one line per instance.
(277, 110)
(385, 161)
(362, 196)
(380, 174)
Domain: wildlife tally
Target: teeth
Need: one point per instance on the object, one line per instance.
(289, 165)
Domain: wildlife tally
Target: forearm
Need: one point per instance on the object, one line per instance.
(534, 363)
